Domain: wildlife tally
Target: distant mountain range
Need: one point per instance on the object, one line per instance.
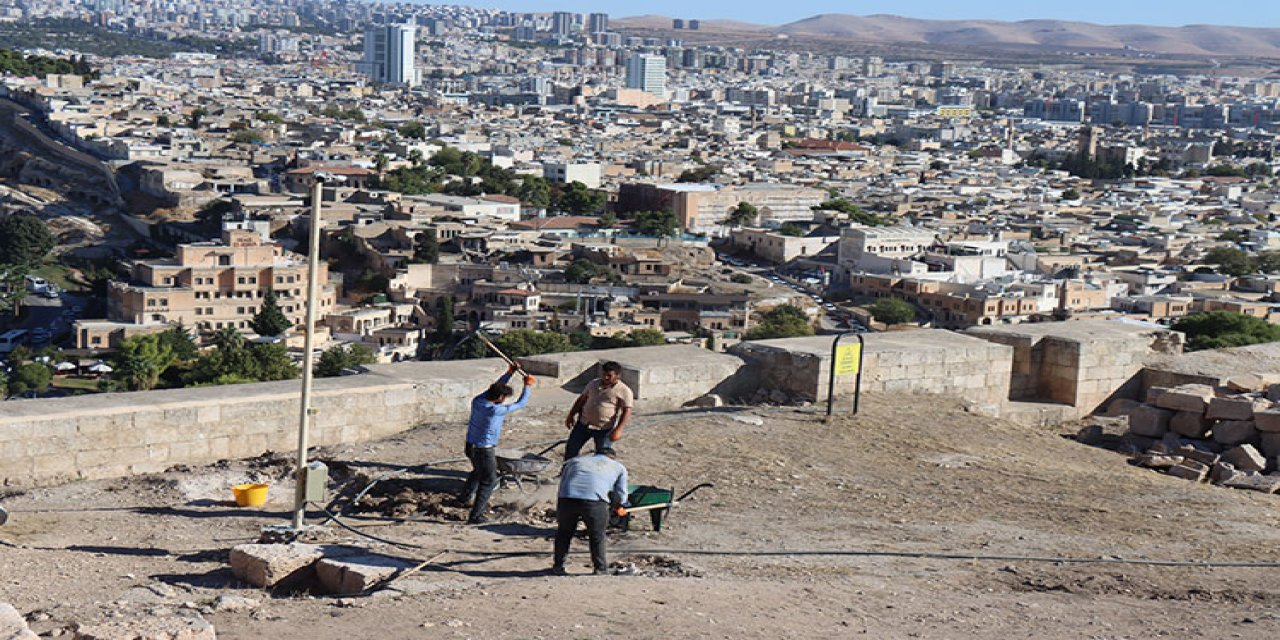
(1206, 40)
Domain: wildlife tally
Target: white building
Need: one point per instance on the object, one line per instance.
(389, 54)
(588, 173)
(648, 73)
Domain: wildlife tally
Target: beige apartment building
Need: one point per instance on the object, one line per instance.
(208, 286)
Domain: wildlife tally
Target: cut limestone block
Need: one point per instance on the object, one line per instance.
(1156, 460)
(275, 565)
(1234, 432)
(1267, 420)
(1149, 421)
(1189, 470)
(1250, 382)
(191, 627)
(1237, 408)
(357, 574)
(1188, 397)
(1191, 424)
(1154, 393)
(1197, 452)
(1221, 472)
(1270, 444)
(12, 625)
(1255, 482)
(1245, 458)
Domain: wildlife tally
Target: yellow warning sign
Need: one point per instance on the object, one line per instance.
(847, 359)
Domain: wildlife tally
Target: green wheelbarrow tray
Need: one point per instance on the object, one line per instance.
(661, 500)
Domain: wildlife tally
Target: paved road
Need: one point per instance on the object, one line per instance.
(55, 315)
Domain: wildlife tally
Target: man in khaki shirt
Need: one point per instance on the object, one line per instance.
(601, 412)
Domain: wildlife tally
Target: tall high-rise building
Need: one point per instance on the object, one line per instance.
(648, 73)
(598, 23)
(562, 23)
(389, 54)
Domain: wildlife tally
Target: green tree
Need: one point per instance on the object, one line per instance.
(270, 320)
(234, 360)
(791, 229)
(380, 163)
(163, 120)
(24, 240)
(413, 130)
(426, 249)
(211, 215)
(444, 319)
(141, 360)
(783, 321)
(660, 224)
(741, 278)
(524, 342)
(1233, 235)
(700, 174)
(32, 376)
(338, 358)
(1221, 329)
(1269, 261)
(646, 338)
(196, 118)
(743, 214)
(1232, 262)
(583, 271)
(609, 220)
(1071, 194)
(579, 200)
(248, 136)
(180, 343)
(415, 157)
(855, 213)
(535, 192)
(892, 311)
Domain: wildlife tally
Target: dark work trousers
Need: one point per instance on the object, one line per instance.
(579, 436)
(482, 479)
(595, 513)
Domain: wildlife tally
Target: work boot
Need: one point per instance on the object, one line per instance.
(477, 520)
(558, 570)
(600, 572)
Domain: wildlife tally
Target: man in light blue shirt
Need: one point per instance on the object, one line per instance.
(589, 485)
(484, 428)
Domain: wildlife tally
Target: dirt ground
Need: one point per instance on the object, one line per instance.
(882, 494)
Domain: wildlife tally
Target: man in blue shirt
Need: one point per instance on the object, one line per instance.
(589, 485)
(483, 430)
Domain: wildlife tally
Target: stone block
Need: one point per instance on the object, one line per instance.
(12, 625)
(1245, 457)
(1189, 470)
(275, 565)
(1269, 443)
(1234, 408)
(1233, 432)
(1157, 460)
(357, 574)
(1154, 393)
(1148, 421)
(1191, 424)
(1193, 398)
(1249, 382)
(1255, 482)
(1197, 452)
(709, 400)
(1273, 393)
(1222, 472)
(1267, 420)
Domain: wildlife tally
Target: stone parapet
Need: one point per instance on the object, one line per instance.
(924, 361)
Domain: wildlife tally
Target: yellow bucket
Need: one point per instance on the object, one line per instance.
(250, 495)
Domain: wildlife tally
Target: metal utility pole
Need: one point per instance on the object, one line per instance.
(313, 291)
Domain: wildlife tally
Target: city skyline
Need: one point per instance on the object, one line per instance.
(1166, 14)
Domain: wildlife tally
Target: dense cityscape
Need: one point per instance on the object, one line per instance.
(566, 181)
(333, 319)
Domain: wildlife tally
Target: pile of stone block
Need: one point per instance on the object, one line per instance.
(1228, 436)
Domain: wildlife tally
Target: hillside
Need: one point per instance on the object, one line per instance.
(910, 475)
(1193, 39)
(1202, 40)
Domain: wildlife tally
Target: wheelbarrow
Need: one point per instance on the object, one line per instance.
(515, 465)
(656, 500)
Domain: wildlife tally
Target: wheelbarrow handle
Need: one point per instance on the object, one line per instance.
(553, 445)
(690, 492)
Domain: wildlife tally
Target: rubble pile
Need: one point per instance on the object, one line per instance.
(1229, 436)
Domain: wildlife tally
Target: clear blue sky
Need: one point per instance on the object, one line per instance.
(1250, 13)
